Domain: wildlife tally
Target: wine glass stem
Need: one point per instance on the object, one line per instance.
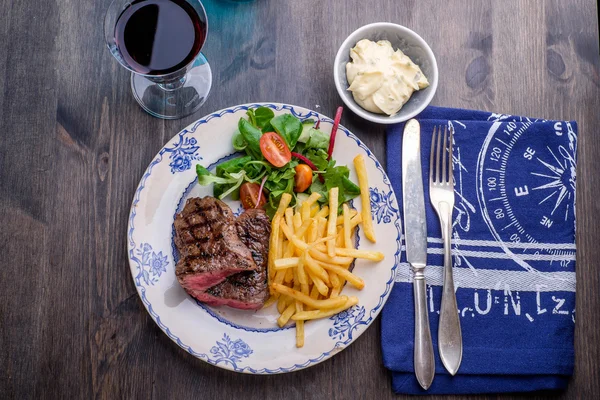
(173, 85)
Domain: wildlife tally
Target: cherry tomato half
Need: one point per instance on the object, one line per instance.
(249, 196)
(303, 178)
(275, 150)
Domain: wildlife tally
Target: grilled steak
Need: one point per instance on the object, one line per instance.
(246, 290)
(209, 247)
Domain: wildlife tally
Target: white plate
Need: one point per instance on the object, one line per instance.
(247, 341)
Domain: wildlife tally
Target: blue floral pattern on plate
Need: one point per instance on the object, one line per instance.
(150, 264)
(345, 322)
(183, 153)
(239, 211)
(382, 207)
(230, 351)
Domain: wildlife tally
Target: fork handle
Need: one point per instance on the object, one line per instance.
(449, 332)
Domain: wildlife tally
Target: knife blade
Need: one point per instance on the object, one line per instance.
(415, 238)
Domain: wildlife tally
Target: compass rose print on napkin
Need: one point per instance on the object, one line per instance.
(513, 250)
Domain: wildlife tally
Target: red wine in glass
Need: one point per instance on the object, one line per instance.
(157, 37)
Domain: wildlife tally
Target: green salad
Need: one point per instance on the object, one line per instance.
(279, 154)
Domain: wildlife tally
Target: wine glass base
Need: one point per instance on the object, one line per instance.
(176, 99)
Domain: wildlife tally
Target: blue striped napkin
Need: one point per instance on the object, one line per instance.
(513, 252)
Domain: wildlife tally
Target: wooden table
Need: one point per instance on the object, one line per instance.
(75, 143)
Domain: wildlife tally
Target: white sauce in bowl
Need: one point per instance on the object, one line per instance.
(381, 79)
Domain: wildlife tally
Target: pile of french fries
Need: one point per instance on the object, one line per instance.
(311, 250)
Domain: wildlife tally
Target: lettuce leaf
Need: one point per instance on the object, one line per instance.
(288, 127)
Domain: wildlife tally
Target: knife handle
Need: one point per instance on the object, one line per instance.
(424, 360)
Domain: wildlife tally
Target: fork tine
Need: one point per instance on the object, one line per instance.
(443, 179)
(437, 158)
(450, 164)
(431, 178)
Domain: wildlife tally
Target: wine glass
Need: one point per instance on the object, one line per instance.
(159, 41)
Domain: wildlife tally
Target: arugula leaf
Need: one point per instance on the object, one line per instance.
(251, 135)
(263, 116)
(288, 127)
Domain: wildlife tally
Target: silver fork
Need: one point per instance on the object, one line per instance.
(441, 193)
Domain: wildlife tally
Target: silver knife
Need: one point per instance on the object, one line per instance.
(415, 237)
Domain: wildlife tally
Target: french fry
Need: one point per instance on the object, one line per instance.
(339, 240)
(273, 244)
(282, 303)
(286, 315)
(302, 229)
(279, 276)
(335, 292)
(323, 213)
(314, 293)
(283, 203)
(319, 304)
(313, 232)
(279, 253)
(319, 255)
(299, 308)
(287, 262)
(357, 219)
(366, 254)
(299, 327)
(321, 286)
(344, 273)
(333, 206)
(297, 221)
(289, 217)
(295, 281)
(312, 199)
(289, 220)
(322, 227)
(340, 218)
(314, 210)
(288, 249)
(347, 228)
(300, 244)
(304, 288)
(363, 183)
(289, 275)
(333, 278)
(301, 271)
(317, 314)
(315, 270)
(305, 210)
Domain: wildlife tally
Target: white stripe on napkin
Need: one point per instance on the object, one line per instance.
(489, 254)
(495, 279)
(493, 243)
(502, 256)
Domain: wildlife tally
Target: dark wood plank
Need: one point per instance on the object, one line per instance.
(74, 145)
